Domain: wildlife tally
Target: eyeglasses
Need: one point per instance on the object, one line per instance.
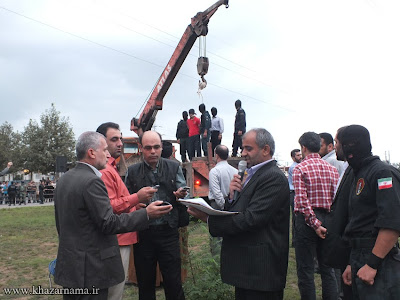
(155, 147)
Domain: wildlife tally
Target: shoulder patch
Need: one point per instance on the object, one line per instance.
(360, 186)
(385, 183)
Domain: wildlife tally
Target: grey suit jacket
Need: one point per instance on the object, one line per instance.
(255, 245)
(88, 252)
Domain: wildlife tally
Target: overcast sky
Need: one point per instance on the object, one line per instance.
(296, 65)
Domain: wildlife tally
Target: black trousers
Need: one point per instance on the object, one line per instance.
(387, 280)
(237, 143)
(158, 244)
(183, 144)
(215, 141)
(307, 246)
(244, 294)
(11, 198)
(291, 198)
(194, 146)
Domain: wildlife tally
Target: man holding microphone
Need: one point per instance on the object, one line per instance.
(254, 254)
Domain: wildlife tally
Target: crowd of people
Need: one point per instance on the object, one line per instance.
(18, 192)
(194, 133)
(344, 202)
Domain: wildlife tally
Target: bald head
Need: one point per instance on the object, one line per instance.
(151, 144)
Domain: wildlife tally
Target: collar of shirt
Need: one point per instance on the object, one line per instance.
(156, 168)
(312, 155)
(112, 162)
(250, 172)
(330, 154)
(97, 172)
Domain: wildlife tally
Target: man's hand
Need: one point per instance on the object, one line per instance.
(205, 134)
(155, 210)
(9, 165)
(198, 214)
(367, 274)
(180, 193)
(321, 232)
(240, 132)
(346, 276)
(236, 185)
(179, 141)
(220, 136)
(145, 194)
(140, 206)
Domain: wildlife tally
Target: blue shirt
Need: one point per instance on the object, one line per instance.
(290, 174)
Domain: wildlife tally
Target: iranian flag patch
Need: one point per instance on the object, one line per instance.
(385, 183)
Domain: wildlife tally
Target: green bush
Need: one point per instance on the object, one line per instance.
(205, 281)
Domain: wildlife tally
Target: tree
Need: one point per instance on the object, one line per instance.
(10, 146)
(43, 143)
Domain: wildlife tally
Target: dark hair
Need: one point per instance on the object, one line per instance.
(214, 111)
(222, 152)
(238, 103)
(104, 127)
(263, 138)
(141, 137)
(166, 149)
(327, 137)
(293, 152)
(311, 141)
(185, 114)
(202, 107)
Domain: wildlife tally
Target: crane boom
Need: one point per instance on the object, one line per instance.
(197, 27)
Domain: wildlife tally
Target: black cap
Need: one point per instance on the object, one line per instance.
(191, 111)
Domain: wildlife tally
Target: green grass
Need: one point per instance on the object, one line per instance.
(28, 242)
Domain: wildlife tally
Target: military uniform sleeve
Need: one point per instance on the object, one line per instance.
(387, 187)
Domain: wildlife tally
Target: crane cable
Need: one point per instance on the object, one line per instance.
(202, 66)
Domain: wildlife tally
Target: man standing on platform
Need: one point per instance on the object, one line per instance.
(182, 135)
(240, 128)
(217, 129)
(194, 135)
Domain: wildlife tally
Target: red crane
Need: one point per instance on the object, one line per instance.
(197, 27)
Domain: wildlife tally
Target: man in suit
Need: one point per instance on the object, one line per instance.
(255, 246)
(88, 255)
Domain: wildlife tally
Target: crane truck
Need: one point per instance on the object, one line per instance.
(197, 170)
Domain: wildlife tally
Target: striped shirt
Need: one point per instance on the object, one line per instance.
(314, 182)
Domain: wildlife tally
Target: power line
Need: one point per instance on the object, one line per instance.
(133, 56)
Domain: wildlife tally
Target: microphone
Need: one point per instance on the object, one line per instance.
(242, 167)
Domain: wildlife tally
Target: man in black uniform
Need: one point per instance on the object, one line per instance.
(182, 135)
(240, 127)
(205, 126)
(374, 222)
